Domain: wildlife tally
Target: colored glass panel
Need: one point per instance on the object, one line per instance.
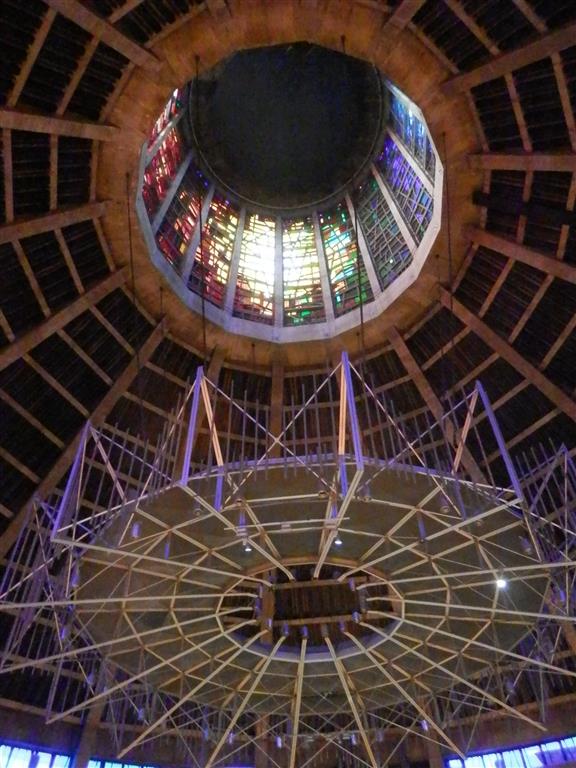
(177, 227)
(344, 266)
(254, 297)
(388, 249)
(23, 757)
(211, 265)
(534, 756)
(413, 134)
(161, 170)
(171, 109)
(303, 302)
(413, 200)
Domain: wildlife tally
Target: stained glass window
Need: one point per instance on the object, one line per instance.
(388, 250)
(254, 298)
(176, 230)
(212, 265)
(23, 757)
(535, 756)
(161, 170)
(171, 109)
(413, 134)
(339, 241)
(303, 302)
(413, 200)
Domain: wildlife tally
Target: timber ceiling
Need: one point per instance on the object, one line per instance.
(74, 344)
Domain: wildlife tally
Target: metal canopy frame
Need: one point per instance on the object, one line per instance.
(443, 656)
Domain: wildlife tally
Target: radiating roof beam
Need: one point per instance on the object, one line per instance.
(104, 31)
(403, 14)
(60, 126)
(61, 318)
(96, 418)
(432, 401)
(508, 353)
(498, 66)
(529, 161)
(50, 221)
(127, 7)
(513, 250)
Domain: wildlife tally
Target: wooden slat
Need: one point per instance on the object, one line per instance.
(525, 8)
(81, 68)
(97, 418)
(61, 318)
(54, 167)
(67, 339)
(74, 274)
(49, 221)
(7, 168)
(103, 30)
(55, 384)
(6, 398)
(22, 468)
(60, 126)
(547, 44)
(5, 326)
(32, 280)
(125, 8)
(32, 55)
(403, 14)
(508, 353)
(565, 100)
(513, 250)
(510, 161)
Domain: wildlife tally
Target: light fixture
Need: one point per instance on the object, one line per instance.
(501, 583)
(247, 546)
(337, 540)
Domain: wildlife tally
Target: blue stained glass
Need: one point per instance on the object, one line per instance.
(339, 242)
(412, 133)
(569, 747)
(533, 756)
(552, 752)
(413, 200)
(473, 762)
(492, 760)
(513, 758)
(19, 758)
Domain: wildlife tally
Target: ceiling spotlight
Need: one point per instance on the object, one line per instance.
(247, 547)
(501, 583)
(424, 725)
(337, 541)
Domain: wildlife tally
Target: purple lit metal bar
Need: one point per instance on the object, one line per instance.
(192, 426)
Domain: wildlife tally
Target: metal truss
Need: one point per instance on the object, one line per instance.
(154, 583)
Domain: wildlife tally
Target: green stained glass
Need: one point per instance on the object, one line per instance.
(254, 297)
(388, 250)
(303, 302)
(211, 266)
(344, 266)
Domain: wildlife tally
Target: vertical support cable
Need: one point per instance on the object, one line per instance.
(135, 308)
(203, 271)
